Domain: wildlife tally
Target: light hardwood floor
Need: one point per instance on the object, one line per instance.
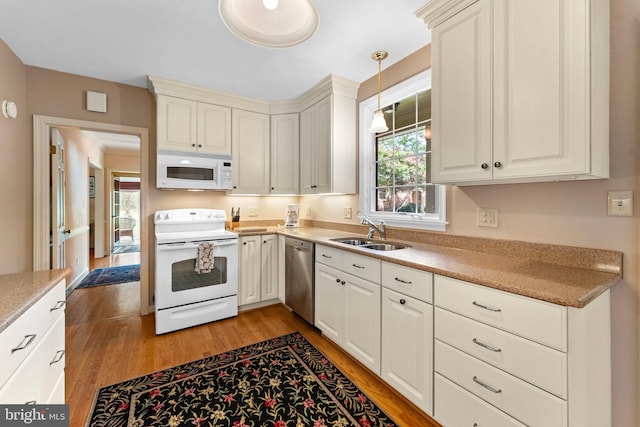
(108, 342)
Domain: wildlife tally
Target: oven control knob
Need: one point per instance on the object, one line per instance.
(166, 216)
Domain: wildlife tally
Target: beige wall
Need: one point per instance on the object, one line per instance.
(572, 213)
(16, 181)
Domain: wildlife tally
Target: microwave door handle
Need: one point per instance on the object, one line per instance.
(217, 242)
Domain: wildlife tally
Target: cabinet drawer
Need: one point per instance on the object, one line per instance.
(361, 266)
(25, 332)
(539, 321)
(408, 281)
(37, 377)
(329, 256)
(532, 362)
(456, 407)
(521, 400)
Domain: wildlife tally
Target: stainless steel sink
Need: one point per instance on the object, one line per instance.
(385, 246)
(371, 244)
(353, 242)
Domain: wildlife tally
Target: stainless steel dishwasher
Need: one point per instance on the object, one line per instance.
(299, 281)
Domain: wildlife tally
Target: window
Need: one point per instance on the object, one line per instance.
(395, 166)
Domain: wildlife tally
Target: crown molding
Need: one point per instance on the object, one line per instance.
(437, 11)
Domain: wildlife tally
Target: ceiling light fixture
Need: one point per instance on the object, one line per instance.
(279, 24)
(270, 4)
(378, 124)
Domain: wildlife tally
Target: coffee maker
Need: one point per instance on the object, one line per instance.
(292, 216)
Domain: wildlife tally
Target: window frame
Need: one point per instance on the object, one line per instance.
(367, 160)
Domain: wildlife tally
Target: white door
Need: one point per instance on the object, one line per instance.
(329, 302)
(361, 326)
(269, 258)
(58, 231)
(407, 362)
(250, 271)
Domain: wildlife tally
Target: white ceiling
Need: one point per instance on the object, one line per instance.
(185, 40)
(114, 142)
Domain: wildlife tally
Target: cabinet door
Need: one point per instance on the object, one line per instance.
(176, 124)
(281, 268)
(315, 148)
(214, 129)
(407, 347)
(361, 326)
(461, 96)
(323, 147)
(269, 258)
(250, 270)
(307, 136)
(250, 147)
(285, 154)
(328, 302)
(541, 84)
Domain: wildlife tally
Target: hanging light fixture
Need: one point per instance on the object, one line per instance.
(378, 124)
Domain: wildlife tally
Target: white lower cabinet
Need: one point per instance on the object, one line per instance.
(32, 353)
(258, 274)
(347, 308)
(407, 346)
(515, 360)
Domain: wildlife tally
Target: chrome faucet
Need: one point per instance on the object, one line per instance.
(372, 227)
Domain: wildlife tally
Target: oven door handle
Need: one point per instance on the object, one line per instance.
(191, 245)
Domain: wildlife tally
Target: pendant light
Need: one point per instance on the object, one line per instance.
(378, 124)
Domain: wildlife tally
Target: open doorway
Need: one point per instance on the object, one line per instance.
(125, 210)
(43, 126)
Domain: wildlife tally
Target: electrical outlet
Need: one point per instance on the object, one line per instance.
(347, 212)
(487, 217)
(253, 211)
(307, 211)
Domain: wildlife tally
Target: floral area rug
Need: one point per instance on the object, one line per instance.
(282, 382)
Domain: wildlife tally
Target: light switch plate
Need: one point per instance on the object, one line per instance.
(253, 211)
(620, 203)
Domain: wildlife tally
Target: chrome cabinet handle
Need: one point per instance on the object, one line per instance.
(487, 386)
(498, 164)
(337, 280)
(343, 282)
(486, 307)
(403, 301)
(57, 357)
(326, 256)
(484, 166)
(487, 346)
(28, 338)
(406, 282)
(58, 306)
(357, 266)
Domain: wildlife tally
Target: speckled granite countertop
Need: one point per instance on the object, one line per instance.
(19, 291)
(562, 275)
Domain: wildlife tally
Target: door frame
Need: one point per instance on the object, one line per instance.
(42, 126)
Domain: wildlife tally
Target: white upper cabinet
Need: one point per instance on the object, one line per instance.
(186, 125)
(250, 147)
(328, 140)
(285, 153)
(512, 103)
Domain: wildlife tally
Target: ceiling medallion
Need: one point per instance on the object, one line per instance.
(275, 24)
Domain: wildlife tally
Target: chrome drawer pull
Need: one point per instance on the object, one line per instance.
(486, 307)
(58, 357)
(326, 256)
(487, 386)
(357, 266)
(487, 346)
(397, 279)
(31, 402)
(23, 344)
(58, 306)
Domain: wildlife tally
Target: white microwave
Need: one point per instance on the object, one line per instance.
(193, 171)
